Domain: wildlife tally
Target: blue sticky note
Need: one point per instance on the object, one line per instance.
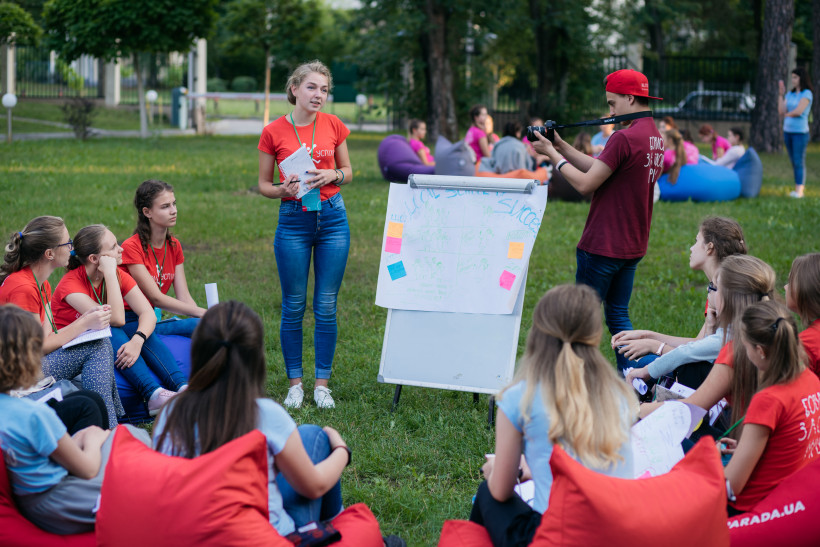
(312, 200)
(396, 270)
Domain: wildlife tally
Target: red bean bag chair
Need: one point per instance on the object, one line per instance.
(684, 507)
(397, 160)
(789, 515)
(17, 531)
(217, 499)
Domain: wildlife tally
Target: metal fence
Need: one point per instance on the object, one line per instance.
(41, 74)
(672, 77)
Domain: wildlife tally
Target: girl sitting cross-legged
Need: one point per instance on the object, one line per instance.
(94, 279)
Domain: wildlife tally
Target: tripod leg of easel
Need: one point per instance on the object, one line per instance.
(396, 396)
(475, 398)
(491, 415)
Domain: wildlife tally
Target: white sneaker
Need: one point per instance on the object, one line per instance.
(322, 397)
(794, 194)
(295, 396)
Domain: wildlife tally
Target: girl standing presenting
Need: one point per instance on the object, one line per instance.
(564, 392)
(154, 258)
(32, 255)
(301, 234)
(94, 279)
(779, 436)
(795, 106)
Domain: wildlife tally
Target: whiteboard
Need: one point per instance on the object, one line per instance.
(458, 350)
(457, 249)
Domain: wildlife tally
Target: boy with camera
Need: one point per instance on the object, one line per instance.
(622, 182)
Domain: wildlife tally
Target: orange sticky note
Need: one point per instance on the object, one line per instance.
(395, 229)
(516, 249)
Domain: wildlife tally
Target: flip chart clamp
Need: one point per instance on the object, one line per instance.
(400, 319)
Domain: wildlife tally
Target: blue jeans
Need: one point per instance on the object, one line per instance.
(301, 509)
(179, 327)
(796, 144)
(325, 235)
(155, 355)
(612, 279)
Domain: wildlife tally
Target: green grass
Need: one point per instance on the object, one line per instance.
(419, 466)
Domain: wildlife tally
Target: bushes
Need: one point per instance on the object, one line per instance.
(78, 113)
(217, 84)
(244, 84)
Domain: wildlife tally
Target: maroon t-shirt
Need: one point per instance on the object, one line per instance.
(621, 210)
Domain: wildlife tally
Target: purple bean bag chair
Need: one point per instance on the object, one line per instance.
(397, 160)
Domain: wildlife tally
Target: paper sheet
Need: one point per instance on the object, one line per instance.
(298, 163)
(462, 251)
(656, 439)
(211, 294)
(88, 336)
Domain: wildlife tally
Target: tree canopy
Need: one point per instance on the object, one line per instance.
(17, 26)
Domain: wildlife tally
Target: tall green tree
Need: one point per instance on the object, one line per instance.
(109, 29)
(282, 29)
(17, 26)
(766, 132)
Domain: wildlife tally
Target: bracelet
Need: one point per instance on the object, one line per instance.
(660, 348)
(336, 180)
(343, 177)
(141, 335)
(561, 163)
(349, 453)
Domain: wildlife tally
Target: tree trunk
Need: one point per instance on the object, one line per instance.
(441, 108)
(141, 97)
(543, 68)
(815, 69)
(266, 115)
(773, 61)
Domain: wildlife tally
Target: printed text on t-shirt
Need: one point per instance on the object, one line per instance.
(810, 428)
(654, 160)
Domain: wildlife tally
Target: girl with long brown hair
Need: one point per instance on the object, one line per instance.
(564, 392)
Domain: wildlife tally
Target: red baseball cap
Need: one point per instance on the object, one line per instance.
(629, 82)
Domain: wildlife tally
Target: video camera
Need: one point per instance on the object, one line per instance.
(547, 130)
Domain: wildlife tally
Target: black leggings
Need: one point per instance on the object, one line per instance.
(510, 523)
(81, 409)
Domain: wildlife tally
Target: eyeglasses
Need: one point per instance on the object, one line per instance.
(711, 287)
(70, 244)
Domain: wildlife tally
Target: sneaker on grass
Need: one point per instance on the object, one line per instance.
(322, 397)
(295, 396)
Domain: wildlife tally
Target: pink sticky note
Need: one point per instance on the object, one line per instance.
(507, 279)
(393, 245)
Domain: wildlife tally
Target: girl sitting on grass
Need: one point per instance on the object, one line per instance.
(94, 279)
(154, 258)
(803, 298)
(225, 399)
(56, 477)
(741, 281)
(564, 392)
(779, 436)
(32, 255)
(717, 238)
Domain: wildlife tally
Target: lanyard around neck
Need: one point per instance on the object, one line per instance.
(312, 139)
(44, 303)
(156, 261)
(100, 301)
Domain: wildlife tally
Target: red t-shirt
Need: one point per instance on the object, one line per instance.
(621, 210)
(279, 140)
(164, 259)
(792, 413)
(76, 281)
(20, 288)
(811, 343)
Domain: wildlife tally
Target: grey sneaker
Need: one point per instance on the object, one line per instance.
(322, 397)
(295, 396)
